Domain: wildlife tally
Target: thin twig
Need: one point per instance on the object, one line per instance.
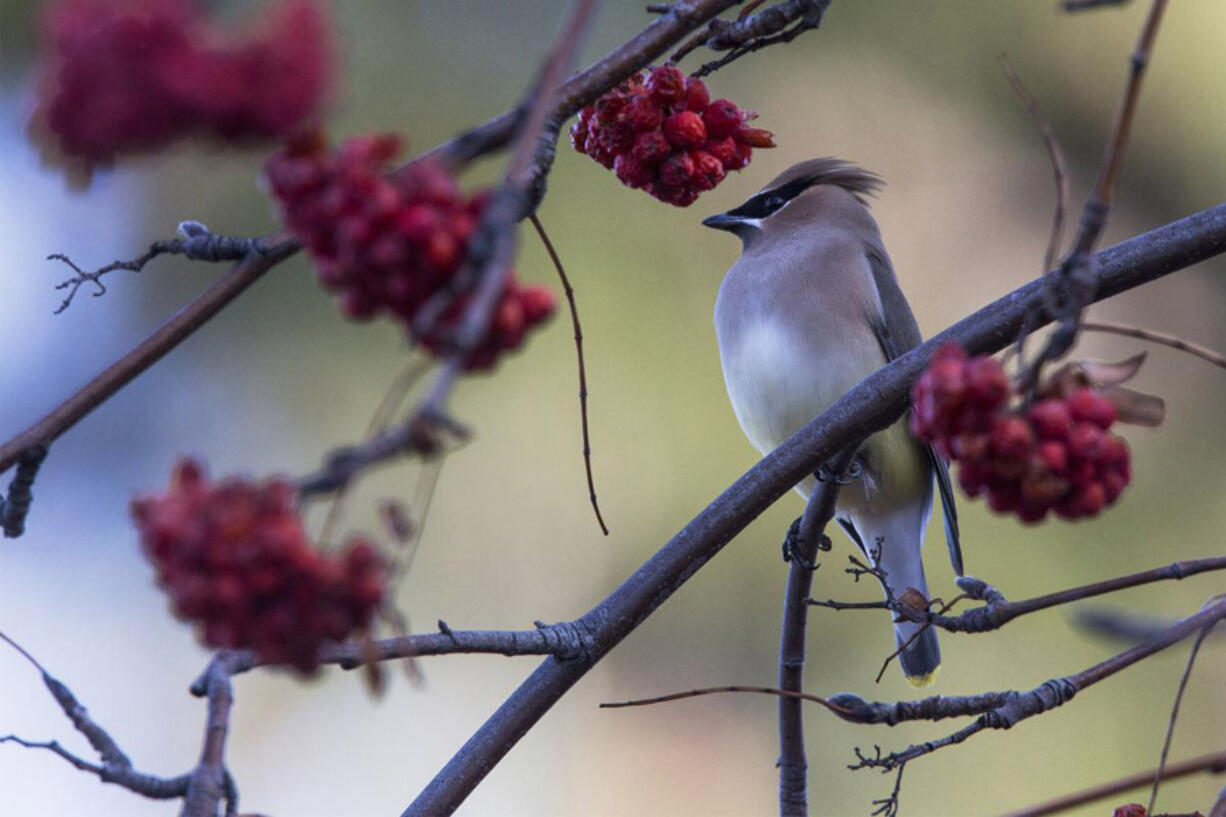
(1214, 763)
(695, 693)
(197, 242)
(1054, 154)
(1173, 341)
(1170, 726)
(180, 326)
(574, 319)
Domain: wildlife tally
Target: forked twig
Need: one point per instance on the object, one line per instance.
(574, 319)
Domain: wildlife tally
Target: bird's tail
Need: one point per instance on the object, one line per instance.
(894, 544)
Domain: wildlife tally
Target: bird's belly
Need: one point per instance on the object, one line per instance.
(778, 382)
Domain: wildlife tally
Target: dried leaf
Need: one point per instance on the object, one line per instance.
(1136, 408)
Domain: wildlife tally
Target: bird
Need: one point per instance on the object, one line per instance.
(811, 308)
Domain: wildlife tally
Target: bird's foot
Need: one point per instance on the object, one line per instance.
(849, 475)
(794, 551)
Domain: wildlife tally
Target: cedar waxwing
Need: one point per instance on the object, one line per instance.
(810, 309)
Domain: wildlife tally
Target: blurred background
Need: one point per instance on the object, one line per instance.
(911, 90)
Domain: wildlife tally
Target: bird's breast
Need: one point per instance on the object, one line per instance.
(780, 375)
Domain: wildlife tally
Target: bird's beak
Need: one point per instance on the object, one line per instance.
(722, 221)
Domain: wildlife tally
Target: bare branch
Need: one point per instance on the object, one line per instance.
(574, 319)
(1054, 154)
(810, 533)
(998, 612)
(116, 768)
(1174, 341)
(564, 640)
(1214, 763)
(695, 693)
(1170, 726)
(208, 783)
(752, 32)
(197, 242)
(1071, 288)
(1051, 694)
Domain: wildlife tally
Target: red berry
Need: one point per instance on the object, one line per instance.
(633, 172)
(538, 303)
(651, 147)
(666, 84)
(643, 114)
(696, 95)
(685, 129)
(708, 171)
(1089, 406)
(676, 170)
(722, 118)
(722, 149)
(1087, 441)
(1053, 456)
(1051, 419)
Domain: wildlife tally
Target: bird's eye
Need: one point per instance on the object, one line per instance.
(774, 203)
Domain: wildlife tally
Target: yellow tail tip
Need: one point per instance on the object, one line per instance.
(921, 681)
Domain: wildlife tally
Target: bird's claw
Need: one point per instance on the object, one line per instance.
(792, 551)
(853, 472)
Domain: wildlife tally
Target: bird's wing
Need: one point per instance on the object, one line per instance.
(898, 333)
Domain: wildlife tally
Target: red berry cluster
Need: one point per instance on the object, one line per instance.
(235, 560)
(392, 241)
(662, 133)
(1130, 810)
(123, 76)
(1056, 455)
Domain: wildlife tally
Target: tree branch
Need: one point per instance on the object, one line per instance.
(115, 768)
(1018, 706)
(998, 612)
(563, 640)
(1214, 763)
(793, 765)
(208, 783)
(874, 404)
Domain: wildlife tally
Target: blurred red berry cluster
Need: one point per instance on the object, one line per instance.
(662, 133)
(1130, 810)
(234, 559)
(124, 76)
(1056, 455)
(391, 242)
